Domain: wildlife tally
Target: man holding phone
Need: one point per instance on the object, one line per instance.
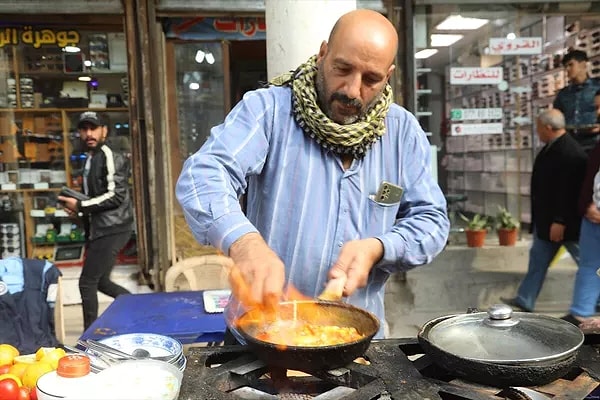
(107, 213)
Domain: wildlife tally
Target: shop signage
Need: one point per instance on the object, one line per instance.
(476, 129)
(520, 89)
(475, 76)
(520, 45)
(464, 114)
(38, 37)
(202, 28)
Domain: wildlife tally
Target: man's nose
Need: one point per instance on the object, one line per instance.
(353, 85)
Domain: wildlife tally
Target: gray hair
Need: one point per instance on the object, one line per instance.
(552, 117)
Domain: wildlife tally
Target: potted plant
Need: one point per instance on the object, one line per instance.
(507, 227)
(476, 229)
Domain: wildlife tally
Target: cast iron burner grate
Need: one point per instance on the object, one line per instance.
(397, 370)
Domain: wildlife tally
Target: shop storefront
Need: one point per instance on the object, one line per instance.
(483, 72)
(52, 69)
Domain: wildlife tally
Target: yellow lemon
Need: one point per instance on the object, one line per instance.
(42, 351)
(13, 349)
(13, 377)
(25, 359)
(18, 369)
(53, 356)
(34, 371)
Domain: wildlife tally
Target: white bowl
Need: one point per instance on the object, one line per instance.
(156, 345)
(139, 380)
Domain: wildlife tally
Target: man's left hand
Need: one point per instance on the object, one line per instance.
(69, 203)
(557, 232)
(355, 261)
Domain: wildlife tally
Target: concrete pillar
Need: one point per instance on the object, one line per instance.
(296, 28)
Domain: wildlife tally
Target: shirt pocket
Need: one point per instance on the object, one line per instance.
(380, 217)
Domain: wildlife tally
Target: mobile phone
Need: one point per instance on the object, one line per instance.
(388, 193)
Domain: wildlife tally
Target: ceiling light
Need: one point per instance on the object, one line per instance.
(85, 78)
(71, 49)
(511, 36)
(425, 53)
(194, 86)
(87, 63)
(443, 40)
(200, 56)
(210, 58)
(460, 23)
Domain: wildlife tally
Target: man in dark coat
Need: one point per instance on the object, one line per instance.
(558, 172)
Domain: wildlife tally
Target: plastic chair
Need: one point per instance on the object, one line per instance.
(198, 273)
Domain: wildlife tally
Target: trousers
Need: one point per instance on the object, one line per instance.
(95, 276)
(541, 254)
(587, 282)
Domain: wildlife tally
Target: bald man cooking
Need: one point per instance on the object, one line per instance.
(337, 176)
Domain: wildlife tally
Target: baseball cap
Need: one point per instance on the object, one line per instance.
(90, 117)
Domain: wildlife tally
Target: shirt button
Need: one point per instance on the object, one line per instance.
(340, 244)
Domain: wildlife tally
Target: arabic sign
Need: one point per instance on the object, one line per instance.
(520, 89)
(201, 28)
(475, 76)
(476, 129)
(522, 120)
(520, 45)
(465, 114)
(38, 37)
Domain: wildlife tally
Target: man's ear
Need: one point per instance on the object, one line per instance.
(322, 51)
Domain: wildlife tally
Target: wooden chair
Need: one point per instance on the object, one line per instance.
(207, 272)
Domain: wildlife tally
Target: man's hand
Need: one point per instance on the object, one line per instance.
(592, 213)
(69, 204)
(557, 232)
(355, 261)
(262, 270)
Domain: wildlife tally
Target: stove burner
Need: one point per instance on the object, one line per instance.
(397, 370)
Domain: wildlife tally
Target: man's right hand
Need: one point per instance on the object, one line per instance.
(592, 213)
(263, 271)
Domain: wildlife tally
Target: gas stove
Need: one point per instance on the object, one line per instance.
(391, 369)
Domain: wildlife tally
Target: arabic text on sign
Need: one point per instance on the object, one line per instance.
(476, 129)
(475, 76)
(38, 37)
(520, 45)
(464, 114)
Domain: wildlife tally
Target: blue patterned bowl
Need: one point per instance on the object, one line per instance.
(156, 345)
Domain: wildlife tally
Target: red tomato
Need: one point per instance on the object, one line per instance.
(9, 389)
(4, 368)
(33, 394)
(24, 393)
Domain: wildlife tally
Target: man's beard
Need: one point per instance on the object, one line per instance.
(325, 103)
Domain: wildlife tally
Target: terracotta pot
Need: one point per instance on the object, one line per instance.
(507, 237)
(475, 238)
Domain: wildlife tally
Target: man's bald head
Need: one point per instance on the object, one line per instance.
(369, 27)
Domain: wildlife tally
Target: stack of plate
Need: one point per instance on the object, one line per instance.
(159, 347)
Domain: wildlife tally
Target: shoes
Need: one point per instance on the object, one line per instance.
(514, 304)
(570, 318)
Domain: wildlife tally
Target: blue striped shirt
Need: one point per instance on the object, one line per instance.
(304, 203)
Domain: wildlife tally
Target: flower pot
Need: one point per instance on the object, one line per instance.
(507, 237)
(475, 238)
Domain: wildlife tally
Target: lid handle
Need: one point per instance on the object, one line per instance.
(500, 315)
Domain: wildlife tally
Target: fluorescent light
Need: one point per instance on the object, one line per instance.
(425, 53)
(200, 56)
(511, 36)
(87, 63)
(210, 58)
(444, 40)
(85, 78)
(460, 23)
(194, 86)
(71, 49)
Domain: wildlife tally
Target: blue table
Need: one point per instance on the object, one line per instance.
(180, 315)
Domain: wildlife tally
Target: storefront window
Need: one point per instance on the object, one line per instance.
(49, 75)
(200, 92)
(483, 73)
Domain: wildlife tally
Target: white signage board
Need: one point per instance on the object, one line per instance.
(475, 76)
(476, 129)
(466, 114)
(520, 45)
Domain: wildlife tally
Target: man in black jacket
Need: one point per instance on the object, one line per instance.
(108, 211)
(556, 180)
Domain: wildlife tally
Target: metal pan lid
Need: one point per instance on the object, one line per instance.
(503, 336)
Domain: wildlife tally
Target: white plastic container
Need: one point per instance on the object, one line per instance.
(71, 380)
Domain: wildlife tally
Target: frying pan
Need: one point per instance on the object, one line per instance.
(317, 312)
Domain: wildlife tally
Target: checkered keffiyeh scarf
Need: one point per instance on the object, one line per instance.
(354, 139)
